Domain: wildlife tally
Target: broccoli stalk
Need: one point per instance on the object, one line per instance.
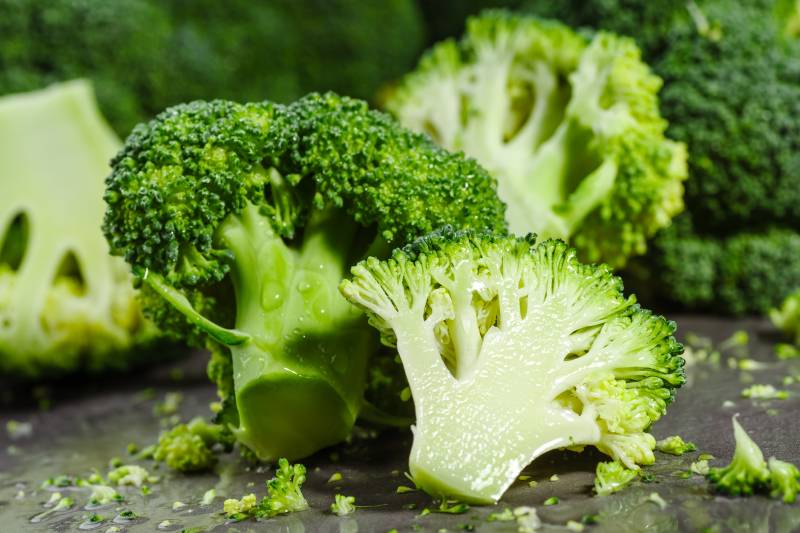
(65, 303)
(241, 220)
(513, 349)
(570, 128)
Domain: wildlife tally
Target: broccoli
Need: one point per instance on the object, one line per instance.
(748, 473)
(190, 447)
(675, 445)
(65, 303)
(513, 349)
(284, 495)
(144, 56)
(787, 317)
(241, 219)
(569, 126)
(343, 505)
(611, 477)
(732, 94)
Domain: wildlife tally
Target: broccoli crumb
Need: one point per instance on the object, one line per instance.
(343, 505)
(336, 476)
(764, 392)
(656, 498)
(552, 500)
(506, 515)
(675, 445)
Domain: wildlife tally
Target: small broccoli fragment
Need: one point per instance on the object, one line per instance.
(208, 497)
(133, 475)
(509, 332)
(343, 505)
(570, 127)
(787, 317)
(284, 495)
(784, 479)
(506, 515)
(675, 445)
(190, 447)
(240, 220)
(103, 494)
(764, 392)
(611, 477)
(65, 304)
(747, 473)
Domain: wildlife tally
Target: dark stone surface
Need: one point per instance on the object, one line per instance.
(87, 424)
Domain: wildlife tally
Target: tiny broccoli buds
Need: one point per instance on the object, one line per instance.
(512, 349)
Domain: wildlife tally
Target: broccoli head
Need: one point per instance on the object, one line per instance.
(512, 349)
(65, 303)
(569, 126)
(241, 220)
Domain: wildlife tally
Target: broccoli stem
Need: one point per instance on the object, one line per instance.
(298, 386)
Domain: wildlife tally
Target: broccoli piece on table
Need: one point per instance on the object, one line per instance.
(675, 445)
(284, 495)
(748, 473)
(611, 477)
(787, 317)
(241, 220)
(65, 303)
(569, 126)
(512, 349)
(190, 447)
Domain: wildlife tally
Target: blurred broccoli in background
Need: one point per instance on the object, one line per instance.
(732, 93)
(65, 303)
(144, 55)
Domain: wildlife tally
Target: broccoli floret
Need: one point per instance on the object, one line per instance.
(190, 447)
(343, 505)
(748, 473)
(784, 479)
(119, 44)
(747, 272)
(611, 477)
(284, 495)
(513, 349)
(65, 303)
(675, 445)
(133, 475)
(787, 317)
(569, 126)
(241, 220)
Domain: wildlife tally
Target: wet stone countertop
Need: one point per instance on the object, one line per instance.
(86, 424)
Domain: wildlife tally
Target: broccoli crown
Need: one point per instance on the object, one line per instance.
(787, 316)
(496, 332)
(255, 211)
(118, 44)
(170, 52)
(612, 476)
(65, 304)
(569, 126)
(746, 272)
(732, 93)
(749, 473)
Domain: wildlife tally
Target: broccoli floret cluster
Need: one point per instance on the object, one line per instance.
(144, 55)
(191, 447)
(512, 349)
(569, 126)
(65, 303)
(284, 495)
(240, 220)
(749, 473)
(732, 94)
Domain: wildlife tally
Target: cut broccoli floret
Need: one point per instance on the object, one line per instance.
(284, 495)
(65, 303)
(242, 219)
(787, 317)
(190, 447)
(784, 480)
(513, 349)
(569, 126)
(611, 477)
(747, 472)
(675, 445)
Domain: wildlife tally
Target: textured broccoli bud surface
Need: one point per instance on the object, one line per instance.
(569, 126)
(65, 303)
(512, 349)
(190, 447)
(242, 219)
